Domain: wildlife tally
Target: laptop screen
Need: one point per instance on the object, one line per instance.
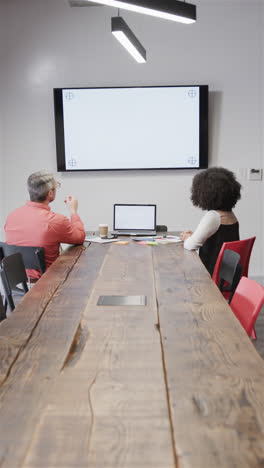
(134, 217)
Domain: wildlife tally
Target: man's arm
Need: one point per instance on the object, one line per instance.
(72, 204)
(72, 231)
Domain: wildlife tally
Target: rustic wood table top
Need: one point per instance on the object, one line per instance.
(173, 383)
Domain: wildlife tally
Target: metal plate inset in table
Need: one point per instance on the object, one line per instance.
(122, 300)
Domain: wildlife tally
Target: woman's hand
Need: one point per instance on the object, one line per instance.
(185, 234)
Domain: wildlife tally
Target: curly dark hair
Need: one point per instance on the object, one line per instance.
(215, 189)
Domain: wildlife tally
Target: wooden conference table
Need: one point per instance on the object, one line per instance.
(174, 383)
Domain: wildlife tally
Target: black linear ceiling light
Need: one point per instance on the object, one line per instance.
(174, 10)
(128, 39)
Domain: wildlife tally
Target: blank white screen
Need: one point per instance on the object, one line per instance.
(134, 217)
(131, 128)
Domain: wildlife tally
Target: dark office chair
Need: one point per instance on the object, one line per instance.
(230, 272)
(244, 248)
(13, 273)
(33, 257)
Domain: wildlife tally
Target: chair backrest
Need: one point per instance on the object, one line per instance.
(33, 257)
(230, 272)
(247, 303)
(12, 271)
(243, 247)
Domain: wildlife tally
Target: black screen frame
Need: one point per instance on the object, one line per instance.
(203, 129)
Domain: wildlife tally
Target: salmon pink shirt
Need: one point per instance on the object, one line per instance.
(34, 224)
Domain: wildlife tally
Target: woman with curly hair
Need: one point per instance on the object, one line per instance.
(217, 191)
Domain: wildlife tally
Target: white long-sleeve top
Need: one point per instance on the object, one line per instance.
(208, 225)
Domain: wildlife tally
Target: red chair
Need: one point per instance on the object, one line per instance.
(247, 303)
(244, 248)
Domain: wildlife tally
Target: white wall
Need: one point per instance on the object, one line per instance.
(262, 120)
(1, 163)
(2, 84)
(49, 44)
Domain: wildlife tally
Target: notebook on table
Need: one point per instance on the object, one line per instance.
(134, 220)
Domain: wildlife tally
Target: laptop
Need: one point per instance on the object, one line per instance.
(134, 220)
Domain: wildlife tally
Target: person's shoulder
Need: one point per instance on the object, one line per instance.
(56, 223)
(17, 210)
(60, 219)
(213, 214)
(57, 217)
(211, 218)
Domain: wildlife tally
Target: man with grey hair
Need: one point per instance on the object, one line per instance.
(34, 224)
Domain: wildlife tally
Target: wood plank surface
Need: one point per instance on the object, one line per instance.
(17, 330)
(109, 406)
(47, 345)
(215, 377)
(173, 384)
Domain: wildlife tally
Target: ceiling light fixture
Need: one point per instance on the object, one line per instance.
(127, 38)
(174, 10)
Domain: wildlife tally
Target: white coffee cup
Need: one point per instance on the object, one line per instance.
(103, 230)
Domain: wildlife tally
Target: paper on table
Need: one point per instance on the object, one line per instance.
(168, 239)
(153, 242)
(159, 239)
(144, 238)
(99, 240)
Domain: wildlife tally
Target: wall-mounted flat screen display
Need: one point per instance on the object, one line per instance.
(128, 128)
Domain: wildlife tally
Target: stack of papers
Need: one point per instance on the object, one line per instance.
(159, 239)
(167, 239)
(99, 240)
